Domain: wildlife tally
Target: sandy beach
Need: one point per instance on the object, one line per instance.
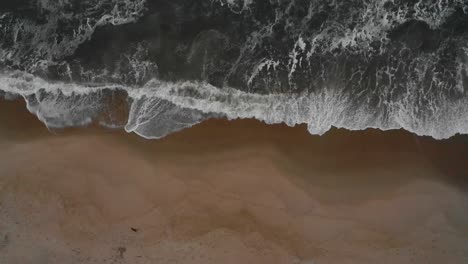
(229, 192)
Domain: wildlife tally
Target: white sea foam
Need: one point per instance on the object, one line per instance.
(42, 43)
(159, 108)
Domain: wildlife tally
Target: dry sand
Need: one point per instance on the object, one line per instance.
(229, 192)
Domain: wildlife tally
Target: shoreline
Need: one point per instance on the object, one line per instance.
(446, 154)
(229, 191)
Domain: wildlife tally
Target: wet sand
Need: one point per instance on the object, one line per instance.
(229, 192)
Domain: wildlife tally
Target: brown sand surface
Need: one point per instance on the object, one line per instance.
(229, 192)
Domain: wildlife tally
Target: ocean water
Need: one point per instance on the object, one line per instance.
(153, 67)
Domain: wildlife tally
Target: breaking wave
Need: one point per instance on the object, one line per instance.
(155, 67)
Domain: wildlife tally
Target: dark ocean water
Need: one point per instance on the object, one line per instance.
(158, 66)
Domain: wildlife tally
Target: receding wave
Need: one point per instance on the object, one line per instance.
(154, 67)
(159, 108)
